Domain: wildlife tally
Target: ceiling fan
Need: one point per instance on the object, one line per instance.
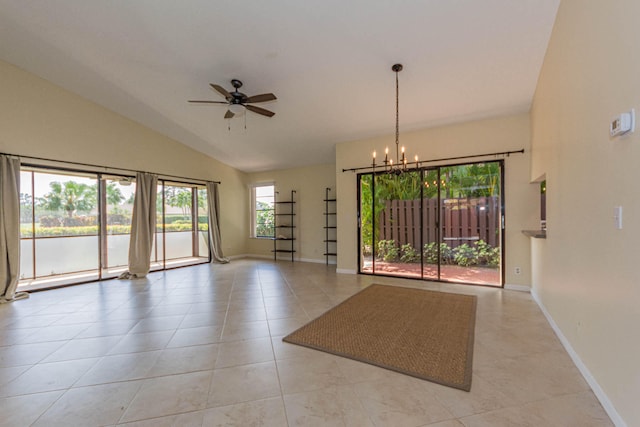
(237, 100)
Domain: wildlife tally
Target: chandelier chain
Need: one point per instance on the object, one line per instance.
(397, 115)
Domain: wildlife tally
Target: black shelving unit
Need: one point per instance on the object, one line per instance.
(330, 228)
(284, 239)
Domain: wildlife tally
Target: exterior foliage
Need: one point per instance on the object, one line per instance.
(478, 253)
(265, 220)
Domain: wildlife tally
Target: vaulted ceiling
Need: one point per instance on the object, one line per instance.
(328, 62)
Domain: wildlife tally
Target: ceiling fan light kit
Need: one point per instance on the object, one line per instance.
(237, 102)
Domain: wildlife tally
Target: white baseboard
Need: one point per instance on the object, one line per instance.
(345, 271)
(597, 390)
(317, 261)
(519, 288)
(241, 256)
(285, 258)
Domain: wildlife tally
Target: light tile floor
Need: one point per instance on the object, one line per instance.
(202, 346)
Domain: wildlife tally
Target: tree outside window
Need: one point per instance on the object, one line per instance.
(263, 211)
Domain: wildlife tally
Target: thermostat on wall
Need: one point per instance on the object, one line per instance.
(625, 122)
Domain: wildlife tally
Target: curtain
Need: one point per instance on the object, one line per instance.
(213, 202)
(10, 229)
(143, 226)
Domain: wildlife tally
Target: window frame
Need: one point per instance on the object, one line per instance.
(253, 229)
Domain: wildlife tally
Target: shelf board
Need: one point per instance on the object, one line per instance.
(331, 241)
(331, 227)
(331, 213)
(536, 234)
(287, 251)
(330, 254)
(284, 226)
(285, 214)
(285, 238)
(330, 200)
(285, 203)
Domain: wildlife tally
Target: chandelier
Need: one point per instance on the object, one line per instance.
(400, 164)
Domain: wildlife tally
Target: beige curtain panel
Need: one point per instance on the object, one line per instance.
(10, 229)
(143, 226)
(213, 201)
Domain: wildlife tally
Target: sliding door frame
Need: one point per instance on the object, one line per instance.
(423, 171)
(101, 215)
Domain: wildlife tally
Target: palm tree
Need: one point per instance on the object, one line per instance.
(179, 198)
(114, 195)
(71, 197)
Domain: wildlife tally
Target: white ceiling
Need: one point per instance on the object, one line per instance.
(327, 61)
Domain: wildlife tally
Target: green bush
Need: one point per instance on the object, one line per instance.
(409, 253)
(173, 218)
(465, 255)
(118, 229)
(91, 230)
(487, 255)
(387, 250)
(174, 227)
(65, 221)
(118, 219)
(26, 230)
(430, 252)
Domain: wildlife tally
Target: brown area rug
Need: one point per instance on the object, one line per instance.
(425, 334)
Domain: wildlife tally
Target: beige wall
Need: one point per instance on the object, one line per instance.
(43, 120)
(586, 271)
(478, 137)
(310, 184)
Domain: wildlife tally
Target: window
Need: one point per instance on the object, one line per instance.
(262, 210)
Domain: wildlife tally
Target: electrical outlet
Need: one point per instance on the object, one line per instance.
(518, 270)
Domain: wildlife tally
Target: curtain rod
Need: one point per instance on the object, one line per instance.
(105, 167)
(418, 163)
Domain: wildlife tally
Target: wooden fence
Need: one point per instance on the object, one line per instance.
(462, 220)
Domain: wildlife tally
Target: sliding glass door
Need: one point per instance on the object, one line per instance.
(440, 223)
(75, 226)
(398, 240)
(181, 227)
(470, 217)
(117, 196)
(59, 225)
(431, 248)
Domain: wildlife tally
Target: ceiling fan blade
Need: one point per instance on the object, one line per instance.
(229, 114)
(221, 90)
(260, 110)
(262, 98)
(207, 102)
